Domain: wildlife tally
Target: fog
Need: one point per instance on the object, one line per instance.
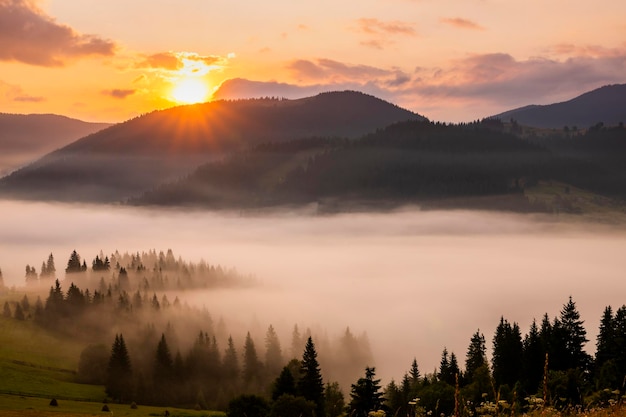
(414, 281)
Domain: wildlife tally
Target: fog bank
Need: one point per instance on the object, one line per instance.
(414, 281)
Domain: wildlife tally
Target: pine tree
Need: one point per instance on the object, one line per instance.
(19, 313)
(164, 364)
(6, 312)
(50, 268)
(533, 359)
(311, 385)
(119, 372)
(414, 373)
(273, 354)
(476, 355)
(444, 367)
(73, 264)
(284, 384)
(251, 365)
(575, 336)
(606, 338)
(231, 363)
(507, 354)
(366, 395)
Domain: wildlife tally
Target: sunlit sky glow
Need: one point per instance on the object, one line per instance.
(451, 60)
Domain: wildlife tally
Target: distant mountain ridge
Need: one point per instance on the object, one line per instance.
(26, 137)
(606, 104)
(139, 154)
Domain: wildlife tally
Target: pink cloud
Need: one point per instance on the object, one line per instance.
(28, 35)
(461, 23)
(119, 93)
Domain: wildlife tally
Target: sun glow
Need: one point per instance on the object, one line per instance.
(190, 91)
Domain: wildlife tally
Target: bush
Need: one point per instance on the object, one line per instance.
(105, 408)
(54, 403)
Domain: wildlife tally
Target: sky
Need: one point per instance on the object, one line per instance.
(449, 60)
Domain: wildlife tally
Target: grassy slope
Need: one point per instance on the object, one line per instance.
(576, 203)
(36, 366)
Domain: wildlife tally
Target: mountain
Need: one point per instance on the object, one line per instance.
(26, 137)
(131, 157)
(606, 104)
(414, 162)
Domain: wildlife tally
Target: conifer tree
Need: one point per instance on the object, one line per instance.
(119, 372)
(476, 354)
(311, 385)
(73, 264)
(19, 313)
(284, 384)
(231, 363)
(606, 338)
(251, 365)
(366, 395)
(273, 354)
(575, 336)
(50, 268)
(533, 359)
(507, 354)
(6, 312)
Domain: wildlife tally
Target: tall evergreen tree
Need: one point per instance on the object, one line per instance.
(73, 264)
(119, 372)
(251, 365)
(444, 368)
(284, 384)
(605, 342)
(163, 364)
(366, 395)
(533, 359)
(231, 364)
(476, 355)
(311, 385)
(50, 268)
(273, 353)
(575, 336)
(507, 354)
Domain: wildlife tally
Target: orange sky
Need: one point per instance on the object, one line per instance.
(450, 60)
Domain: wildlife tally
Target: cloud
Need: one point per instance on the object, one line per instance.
(461, 23)
(16, 93)
(468, 88)
(30, 36)
(29, 99)
(174, 61)
(119, 93)
(377, 27)
(379, 33)
(328, 70)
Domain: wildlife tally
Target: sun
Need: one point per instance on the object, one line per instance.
(190, 91)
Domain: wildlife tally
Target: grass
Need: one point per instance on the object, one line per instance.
(12, 405)
(37, 365)
(575, 203)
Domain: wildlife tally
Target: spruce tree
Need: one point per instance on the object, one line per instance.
(251, 365)
(476, 355)
(533, 359)
(366, 395)
(605, 341)
(311, 385)
(273, 354)
(507, 354)
(119, 373)
(575, 336)
(73, 264)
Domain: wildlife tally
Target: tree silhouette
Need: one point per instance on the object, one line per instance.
(119, 373)
(366, 395)
(311, 385)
